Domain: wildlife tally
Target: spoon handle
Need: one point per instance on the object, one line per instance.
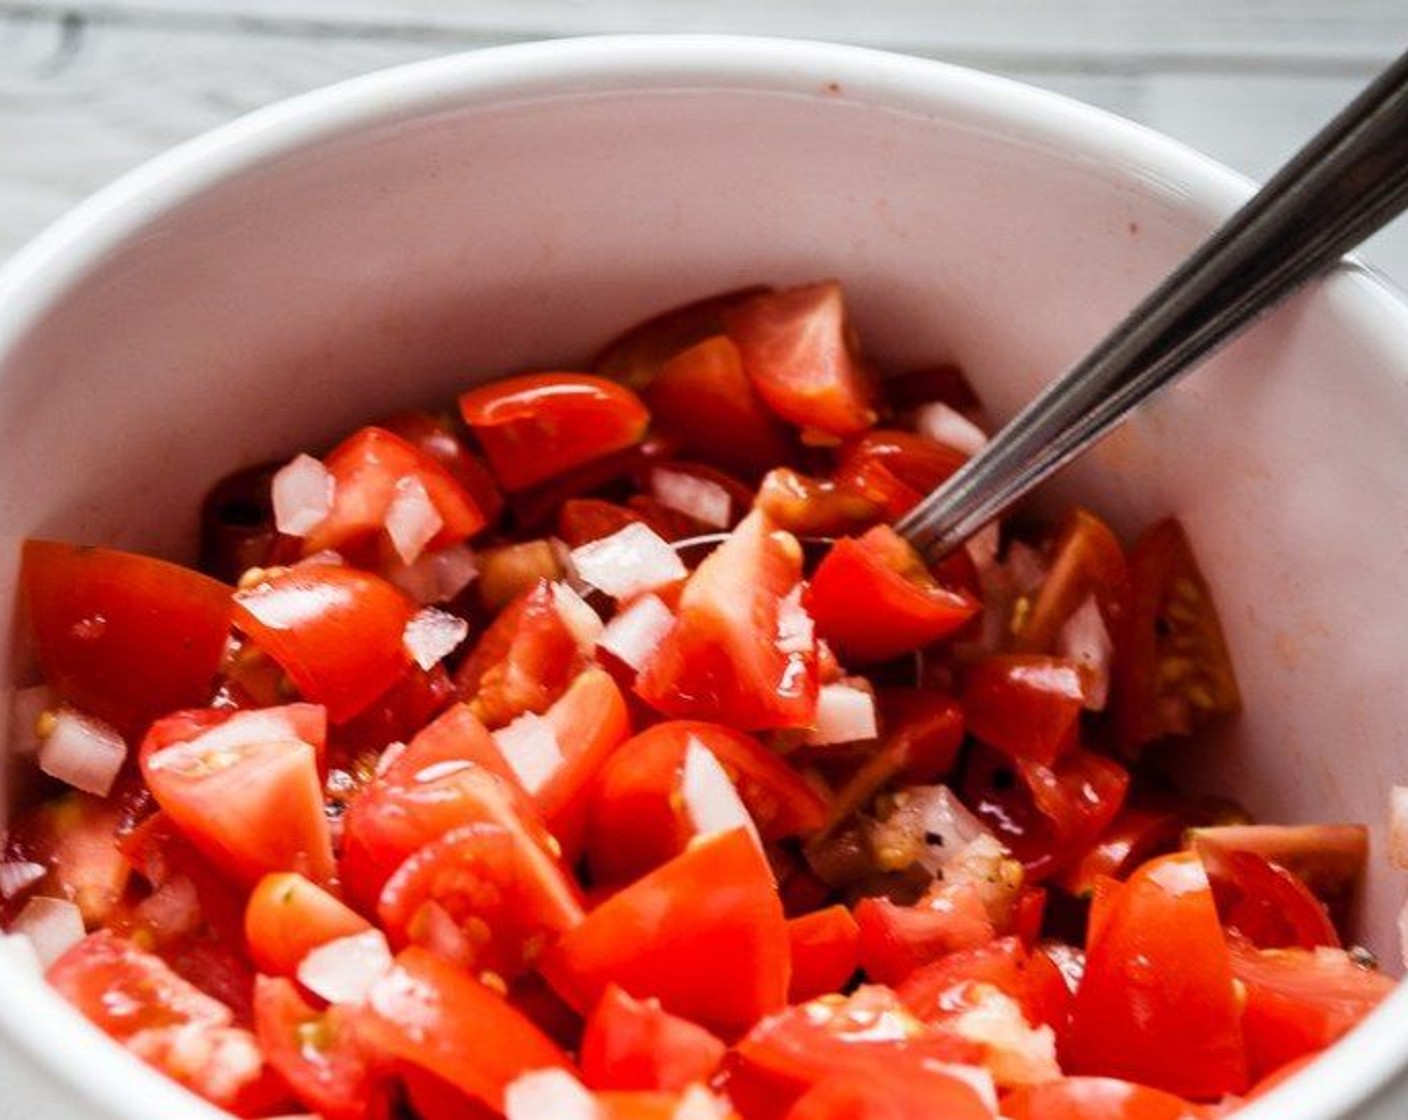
(1346, 183)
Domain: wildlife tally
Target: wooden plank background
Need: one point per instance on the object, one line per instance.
(90, 88)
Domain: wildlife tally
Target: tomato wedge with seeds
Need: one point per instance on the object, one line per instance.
(1087, 559)
(799, 351)
(724, 659)
(873, 599)
(537, 426)
(336, 631)
(124, 637)
(430, 1014)
(244, 788)
(717, 957)
(1265, 903)
(637, 1044)
(1027, 705)
(1157, 1003)
(1174, 673)
(288, 916)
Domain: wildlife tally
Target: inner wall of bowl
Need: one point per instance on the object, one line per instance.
(373, 271)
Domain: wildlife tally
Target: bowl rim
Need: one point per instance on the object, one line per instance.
(40, 272)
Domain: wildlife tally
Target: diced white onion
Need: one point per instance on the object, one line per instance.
(1027, 567)
(943, 424)
(634, 633)
(345, 970)
(698, 1103)
(844, 714)
(1086, 640)
(577, 615)
(530, 747)
(705, 501)
(20, 952)
(27, 705)
(412, 519)
(549, 1093)
(796, 633)
(709, 795)
(1398, 826)
(928, 824)
(439, 576)
(243, 729)
(173, 909)
(979, 1078)
(83, 751)
(302, 494)
(431, 635)
(1017, 1053)
(53, 926)
(19, 875)
(629, 561)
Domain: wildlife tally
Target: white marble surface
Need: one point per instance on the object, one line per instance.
(90, 88)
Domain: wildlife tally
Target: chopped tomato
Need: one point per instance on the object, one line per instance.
(1135, 836)
(727, 657)
(1157, 1002)
(944, 382)
(523, 662)
(1266, 904)
(814, 507)
(898, 467)
(436, 436)
(657, 476)
(636, 1044)
(583, 520)
(825, 952)
(244, 788)
(799, 352)
(123, 637)
(540, 425)
(484, 896)
(288, 916)
(910, 1090)
(371, 470)
(933, 991)
(873, 599)
(395, 716)
(1298, 1001)
(1087, 560)
(237, 530)
(319, 1053)
(715, 956)
(336, 631)
(704, 391)
(640, 818)
(1027, 705)
(895, 939)
(1174, 673)
(538, 506)
(430, 1014)
(1095, 1098)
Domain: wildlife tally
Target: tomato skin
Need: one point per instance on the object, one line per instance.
(288, 916)
(336, 631)
(796, 347)
(895, 940)
(583, 520)
(906, 1092)
(873, 599)
(367, 469)
(431, 1014)
(825, 951)
(1298, 1002)
(704, 391)
(1025, 705)
(722, 660)
(1095, 1098)
(636, 1044)
(716, 957)
(244, 788)
(436, 437)
(1266, 904)
(638, 816)
(1157, 1004)
(539, 425)
(123, 637)
(906, 465)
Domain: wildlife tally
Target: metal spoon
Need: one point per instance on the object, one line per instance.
(1344, 185)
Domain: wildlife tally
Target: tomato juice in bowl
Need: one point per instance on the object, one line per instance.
(383, 244)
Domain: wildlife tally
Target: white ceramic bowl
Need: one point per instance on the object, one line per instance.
(386, 241)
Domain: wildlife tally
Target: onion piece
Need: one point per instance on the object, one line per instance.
(173, 909)
(19, 875)
(549, 1094)
(241, 730)
(632, 635)
(983, 547)
(1086, 640)
(928, 826)
(705, 501)
(439, 576)
(1398, 826)
(345, 970)
(944, 424)
(83, 751)
(1017, 1053)
(530, 747)
(53, 926)
(709, 795)
(631, 560)
(302, 494)
(1027, 567)
(412, 519)
(844, 714)
(20, 952)
(796, 632)
(431, 635)
(27, 708)
(577, 615)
